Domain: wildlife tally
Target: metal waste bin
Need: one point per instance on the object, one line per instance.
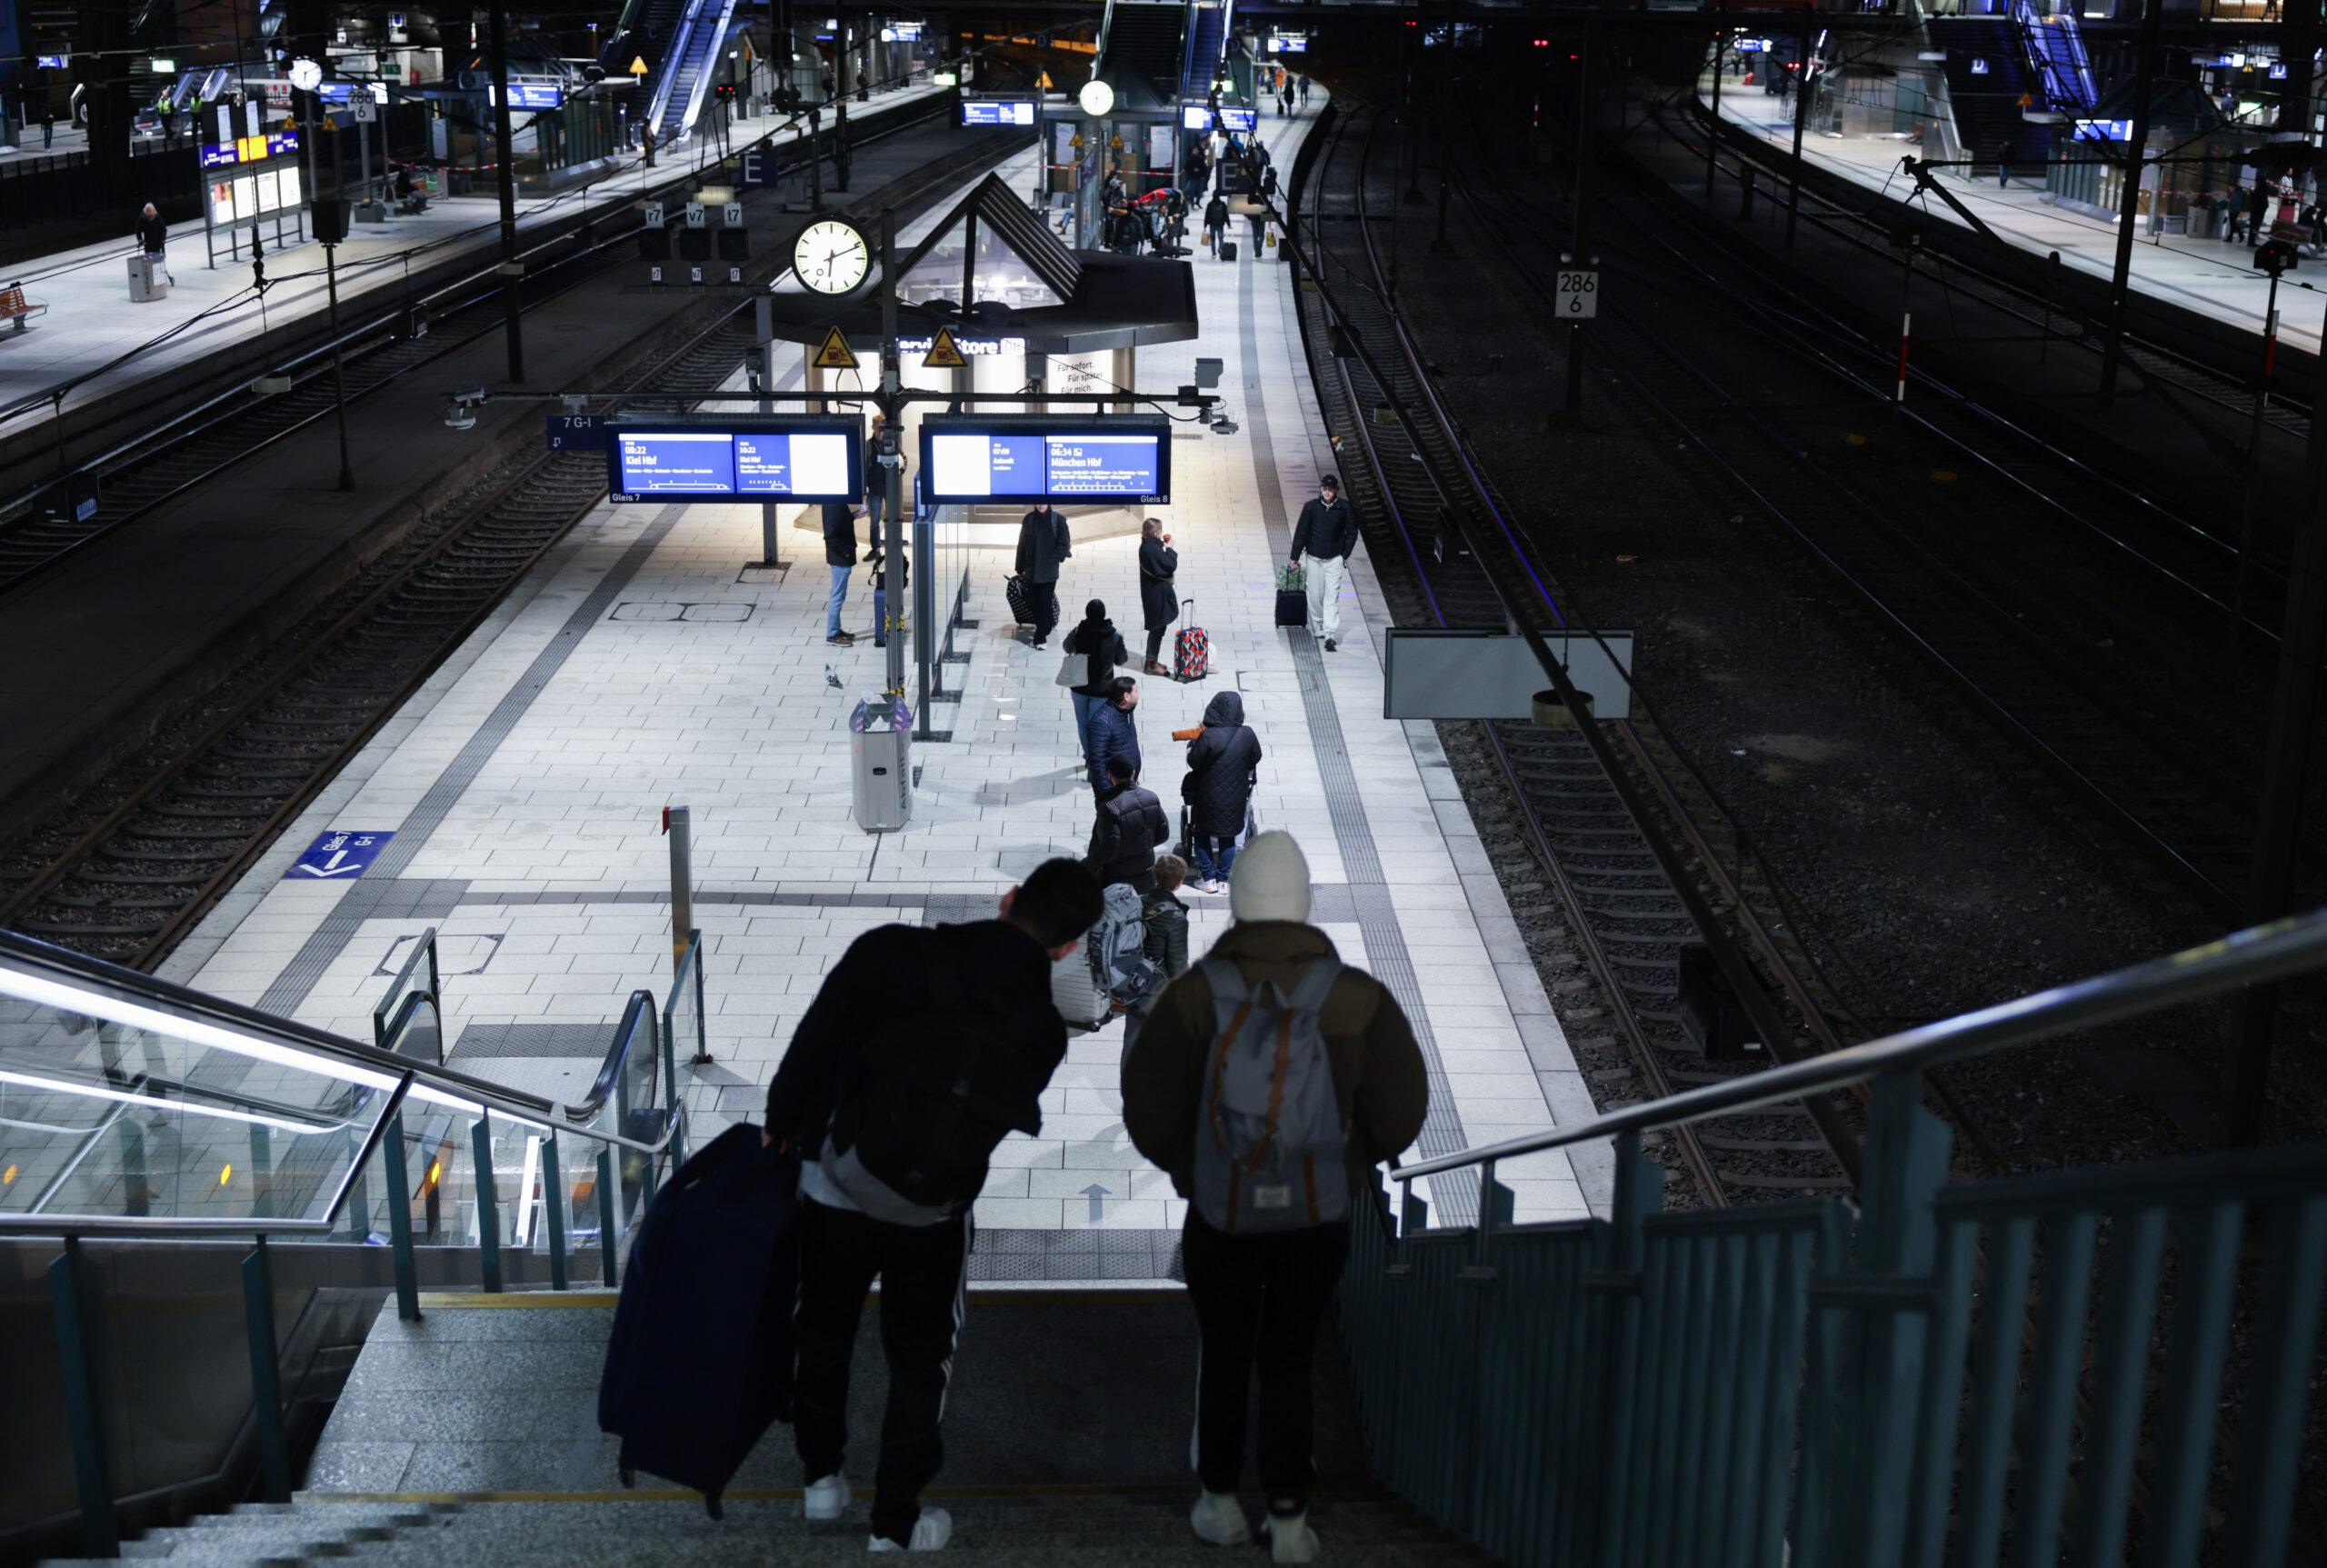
(145, 285)
(880, 746)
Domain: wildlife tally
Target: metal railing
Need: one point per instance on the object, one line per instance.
(1810, 1384)
(120, 1094)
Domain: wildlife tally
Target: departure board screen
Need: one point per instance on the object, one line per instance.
(811, 460)
(997, 112)
(1030, 457)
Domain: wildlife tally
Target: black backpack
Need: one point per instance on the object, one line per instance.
(926, 1097)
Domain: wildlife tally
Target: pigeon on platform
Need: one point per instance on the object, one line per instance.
(830, 679)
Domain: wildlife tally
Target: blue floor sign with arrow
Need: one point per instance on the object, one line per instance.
(1098, 1195)
(338, 855)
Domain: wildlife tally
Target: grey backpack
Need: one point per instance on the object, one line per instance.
(1269, 1135)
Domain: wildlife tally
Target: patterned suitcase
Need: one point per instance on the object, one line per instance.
(1191, 651)
(1021, 600)
(1292, 596)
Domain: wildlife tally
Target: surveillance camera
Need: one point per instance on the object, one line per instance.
(460, 407)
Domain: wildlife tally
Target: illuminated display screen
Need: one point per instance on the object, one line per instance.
(1197, 118)
(249, 149)
(820, 460)
(531, 95)
(990, 112)
(1119, 460)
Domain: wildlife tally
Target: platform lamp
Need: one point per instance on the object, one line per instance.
(330, 215)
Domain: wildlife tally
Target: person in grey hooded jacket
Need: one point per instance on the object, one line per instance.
(1218, 788)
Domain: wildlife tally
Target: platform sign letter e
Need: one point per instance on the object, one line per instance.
(1579, 295)
(339, 856)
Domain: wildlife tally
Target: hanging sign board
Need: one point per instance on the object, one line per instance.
(979, 111)
(1117, 458)
(806, 459)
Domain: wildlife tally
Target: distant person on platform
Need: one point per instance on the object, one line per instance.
(876, 485)
(840, 555)
(1304, 92)
(1215, 222)
(2003, 162)
(1157, 596)
(1094, 637)
(1130, 828)
(1042, 544)
(646, 144)
(1322, 542)
(47, 127)
(1114, 734)
(154, 239)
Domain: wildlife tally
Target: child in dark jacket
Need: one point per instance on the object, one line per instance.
(1167, 938)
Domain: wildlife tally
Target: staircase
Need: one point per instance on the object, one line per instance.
(1987, 101)
(684, 74)
(1057, 1397)
(1207, 39)
(1140, 52)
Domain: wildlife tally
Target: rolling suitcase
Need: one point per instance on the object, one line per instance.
(1191, 651)
(1293, 597)
(1228, 250)
(1021, 600)
(700, 1360)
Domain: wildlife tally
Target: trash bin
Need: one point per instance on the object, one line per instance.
(880, 745)
(144, 285)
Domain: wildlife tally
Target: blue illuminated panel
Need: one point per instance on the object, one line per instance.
(1101, 465)
(988, 111)
(806, 464)
(675, 463)
(1035, 459)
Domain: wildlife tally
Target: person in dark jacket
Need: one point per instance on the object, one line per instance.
(1003, 967)
(1215, 223)
(876, 485)
(1130, 828)
(1322, 542)
(153, 238)
(1157, 561)
(840, 555)
(1218, 788)
(1114, 733)
(1094, 637)
(1042, 544)
(1259, 1297)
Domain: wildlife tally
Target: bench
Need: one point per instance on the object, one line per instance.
(16, 307)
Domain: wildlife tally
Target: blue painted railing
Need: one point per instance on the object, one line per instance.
(2035, 1370)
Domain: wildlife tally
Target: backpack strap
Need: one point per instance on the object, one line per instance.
(1316, 981)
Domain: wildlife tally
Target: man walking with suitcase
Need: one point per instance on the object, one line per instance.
(1267, 1081)
(922, 1050)
(1322, 542)
(1043, 543)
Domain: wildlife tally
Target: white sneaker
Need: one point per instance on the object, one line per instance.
(1219, 1519)
(1291, 1540)
(827, 1499)
(930, 1533)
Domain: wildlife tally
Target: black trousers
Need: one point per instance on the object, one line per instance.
(1155, 642)
(1258, 1301)
(922, 1270)
(1043, 599)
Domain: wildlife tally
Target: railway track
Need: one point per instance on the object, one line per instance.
(2123, 749)
(157, 467)
(1606, 882)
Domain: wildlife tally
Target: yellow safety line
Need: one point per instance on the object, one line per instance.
(464, 1301)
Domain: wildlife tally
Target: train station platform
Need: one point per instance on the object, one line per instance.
(2210, 278)
(92, 345)
(643, 665)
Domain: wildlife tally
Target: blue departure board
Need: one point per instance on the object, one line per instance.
(1030, 457)
(819, 459)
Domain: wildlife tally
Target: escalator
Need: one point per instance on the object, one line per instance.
(1207, 41)
(1141, 52)
(679, 40)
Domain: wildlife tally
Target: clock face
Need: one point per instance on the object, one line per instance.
(830, 257)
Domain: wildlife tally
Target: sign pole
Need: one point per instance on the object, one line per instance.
(896, 554)
(511, 268)
(764, 323)
(338, 375)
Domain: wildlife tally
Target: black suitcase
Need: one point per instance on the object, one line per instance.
(1021, 599)
(699, 1364)
(1292, 607)
(1228, 250)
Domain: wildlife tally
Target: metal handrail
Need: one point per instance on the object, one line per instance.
(2252, 956)
(641, 1005)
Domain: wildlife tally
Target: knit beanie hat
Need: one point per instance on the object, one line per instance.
(1270, 881)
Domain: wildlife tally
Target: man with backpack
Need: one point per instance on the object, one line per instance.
(922, 1050)
(1130, 826)
(1268, 1081)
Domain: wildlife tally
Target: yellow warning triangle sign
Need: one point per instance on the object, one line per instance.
(944, 355)
(1043, 82)
(638, 65)
(835, 354)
